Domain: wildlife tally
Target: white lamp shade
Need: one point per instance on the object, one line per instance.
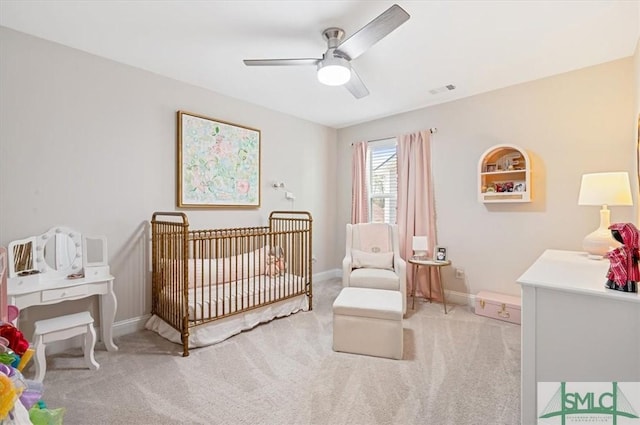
(334, 71)
(420, 244)
(605, 189)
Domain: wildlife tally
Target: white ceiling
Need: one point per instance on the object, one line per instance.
(477, 46)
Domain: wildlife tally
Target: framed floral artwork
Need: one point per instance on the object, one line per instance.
(218, 163)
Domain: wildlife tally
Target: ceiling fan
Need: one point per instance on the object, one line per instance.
(334, 68)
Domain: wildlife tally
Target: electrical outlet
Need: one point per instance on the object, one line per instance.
(459, 273)
(289, 196)
(314, 258)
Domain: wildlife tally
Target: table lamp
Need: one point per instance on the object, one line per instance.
(603, 189)
(419, 245)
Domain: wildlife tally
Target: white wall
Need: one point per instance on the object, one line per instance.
(569, 124)
(636, 150)
(91, 144)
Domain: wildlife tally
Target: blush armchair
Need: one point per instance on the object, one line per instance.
(372, 259)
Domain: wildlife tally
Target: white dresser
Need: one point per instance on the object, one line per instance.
(573, 328)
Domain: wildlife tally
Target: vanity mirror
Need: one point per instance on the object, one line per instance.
(58, 252)
(21, 257)
(94, 252)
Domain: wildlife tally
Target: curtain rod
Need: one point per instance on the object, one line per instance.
(432, 130)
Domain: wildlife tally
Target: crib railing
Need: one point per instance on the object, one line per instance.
(200, 276)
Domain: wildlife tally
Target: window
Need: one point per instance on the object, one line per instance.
(382, 166)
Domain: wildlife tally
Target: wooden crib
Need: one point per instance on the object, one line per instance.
(227, 280)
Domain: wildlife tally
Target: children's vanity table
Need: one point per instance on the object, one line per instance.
(62, 265)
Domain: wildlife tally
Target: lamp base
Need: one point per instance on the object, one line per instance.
(419, 255)
(598, 243)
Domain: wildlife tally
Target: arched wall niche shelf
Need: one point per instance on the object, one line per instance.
(504, 175)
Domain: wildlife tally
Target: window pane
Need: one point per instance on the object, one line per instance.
(383, 210)
(383, 181)
(383, 171)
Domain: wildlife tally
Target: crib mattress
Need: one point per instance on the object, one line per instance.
(209, 302)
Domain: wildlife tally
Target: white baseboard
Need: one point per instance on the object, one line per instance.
(457, 298)
(453, 297)
(129, 326)
(462, 298)
(329, 274)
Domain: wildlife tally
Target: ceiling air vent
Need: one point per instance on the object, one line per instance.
(442, 89)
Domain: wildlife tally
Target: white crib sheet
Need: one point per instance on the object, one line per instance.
(219, 330)
(250, 292)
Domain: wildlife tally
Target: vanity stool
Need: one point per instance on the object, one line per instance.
(59, 328)
(368, 321)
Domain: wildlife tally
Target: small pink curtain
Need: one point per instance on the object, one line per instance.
(416, 211)
(359, 195)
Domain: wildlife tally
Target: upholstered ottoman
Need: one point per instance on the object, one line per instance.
(368, 321)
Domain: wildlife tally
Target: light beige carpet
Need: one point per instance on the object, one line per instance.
(457, 369)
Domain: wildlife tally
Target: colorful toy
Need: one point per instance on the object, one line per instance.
(8, 395)
(40, 414)
(24, 360)
(17, 342)
(9, 357)
(17, 394)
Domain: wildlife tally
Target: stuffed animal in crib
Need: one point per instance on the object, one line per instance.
(624, 274)
(272, 268)
(276, 265)
(281, 265)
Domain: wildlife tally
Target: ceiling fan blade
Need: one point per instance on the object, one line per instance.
(356, 86)
(281, 62)
(374, 31)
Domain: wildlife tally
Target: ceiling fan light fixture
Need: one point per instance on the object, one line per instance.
(334, 71)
